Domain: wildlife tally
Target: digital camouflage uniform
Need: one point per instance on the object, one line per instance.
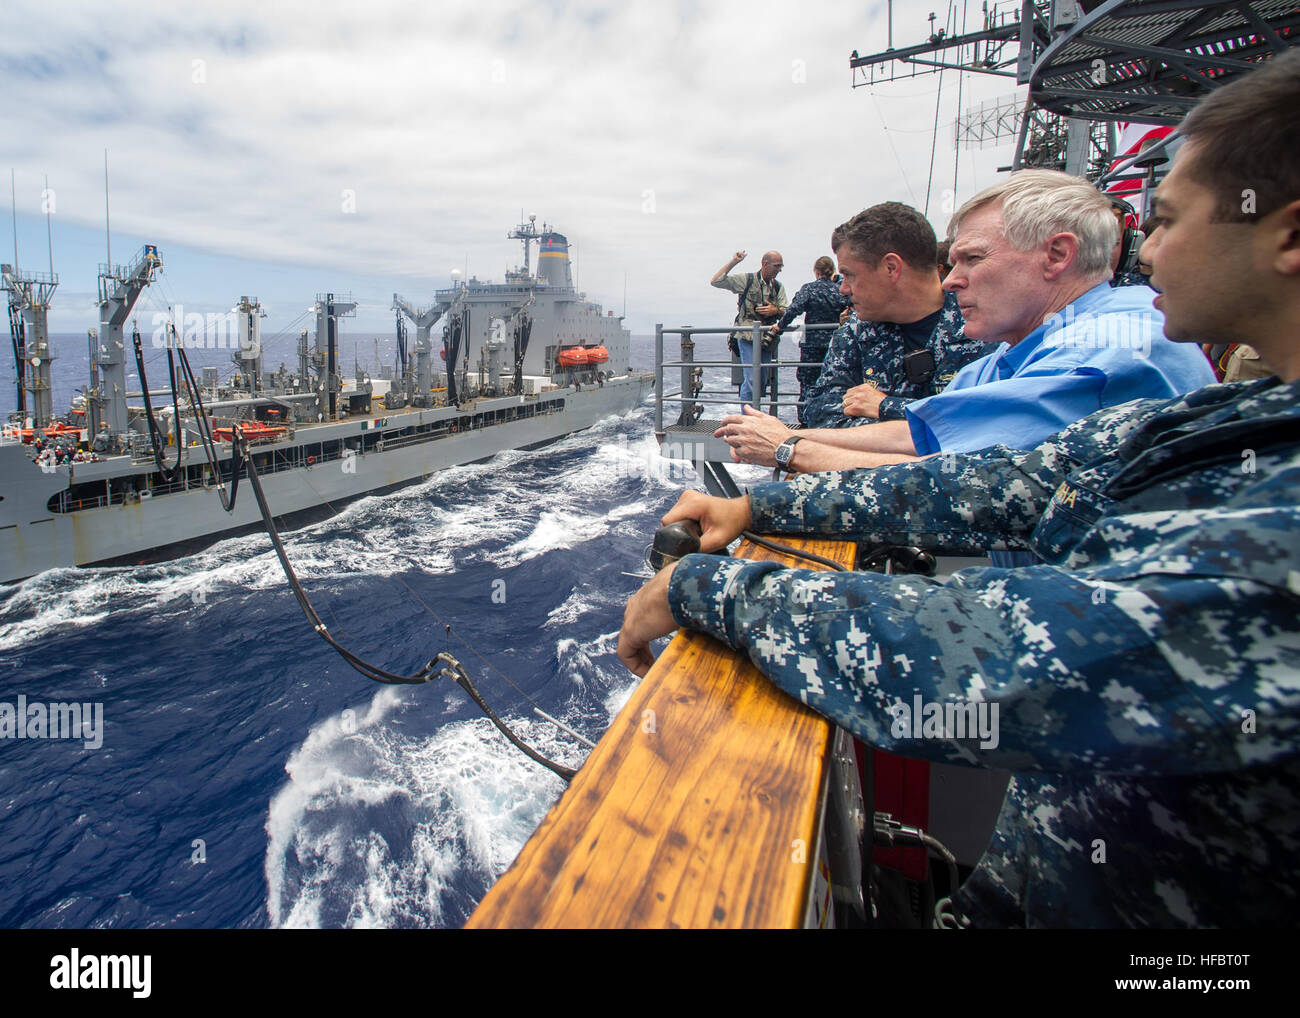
(1147, 673)
(820, 302)
(873, 351)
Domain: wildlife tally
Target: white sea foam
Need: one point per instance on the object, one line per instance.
(555, 530)
(461, 800)
(465, 799)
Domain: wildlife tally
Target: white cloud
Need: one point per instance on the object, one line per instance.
(446, 120)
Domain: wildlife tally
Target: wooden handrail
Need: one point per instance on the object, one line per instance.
(700, 806)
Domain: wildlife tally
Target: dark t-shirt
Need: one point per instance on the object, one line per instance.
(917, 334)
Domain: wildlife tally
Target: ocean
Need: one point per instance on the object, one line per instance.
(248, 777)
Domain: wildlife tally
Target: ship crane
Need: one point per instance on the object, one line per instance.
(30, 294)
(249, 355)
(119, 288)
(423, 319)
(325, 358)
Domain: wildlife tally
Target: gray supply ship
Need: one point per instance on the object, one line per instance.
(523, 363)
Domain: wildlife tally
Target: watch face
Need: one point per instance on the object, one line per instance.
(783, 453)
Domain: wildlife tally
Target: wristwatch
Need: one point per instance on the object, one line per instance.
(785, 451)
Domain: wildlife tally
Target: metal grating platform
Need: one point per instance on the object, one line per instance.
(694, 442)
(1151, 61)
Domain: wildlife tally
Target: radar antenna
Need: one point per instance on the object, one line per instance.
(527, 232)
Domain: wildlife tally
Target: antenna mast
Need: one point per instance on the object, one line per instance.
(49, 229)
(108, 233)
(13, 195)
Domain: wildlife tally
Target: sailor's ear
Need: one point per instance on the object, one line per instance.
(1282, 234)
(1060, 251)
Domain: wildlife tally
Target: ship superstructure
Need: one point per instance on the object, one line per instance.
(521, 363)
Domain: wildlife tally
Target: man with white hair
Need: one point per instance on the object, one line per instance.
(1030, 269)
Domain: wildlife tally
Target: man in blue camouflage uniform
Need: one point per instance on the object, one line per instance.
(820, 302)
(900, 309)
(871, 354)
(1147, 672)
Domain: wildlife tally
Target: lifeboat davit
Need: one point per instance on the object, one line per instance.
(576, 357)
(597, 355)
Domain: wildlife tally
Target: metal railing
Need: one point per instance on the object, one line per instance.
(693, 398)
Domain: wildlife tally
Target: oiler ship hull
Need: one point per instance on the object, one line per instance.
(119, 511)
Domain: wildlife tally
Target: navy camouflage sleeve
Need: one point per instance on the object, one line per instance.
(892, 408)
(841, 370)
(951, 504)
(796, 308)
(1132, 672)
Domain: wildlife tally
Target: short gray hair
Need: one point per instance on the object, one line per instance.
(1039, 203)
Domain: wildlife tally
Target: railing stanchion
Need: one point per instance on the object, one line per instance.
(659, 378)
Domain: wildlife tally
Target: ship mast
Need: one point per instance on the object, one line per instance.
(1089, 66)
(1007, 44)
(527, 232)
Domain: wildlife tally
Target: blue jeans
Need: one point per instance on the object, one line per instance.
(747, 370)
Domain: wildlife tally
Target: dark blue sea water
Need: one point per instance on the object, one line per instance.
(248, 777)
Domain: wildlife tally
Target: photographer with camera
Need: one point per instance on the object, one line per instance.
(762, 299)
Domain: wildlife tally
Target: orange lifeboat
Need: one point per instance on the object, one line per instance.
(575, 357)
(597, 355)
(253, 432)
(55, 430)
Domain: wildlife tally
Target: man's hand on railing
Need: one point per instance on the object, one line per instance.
(646, 617)
(721, 520)
(753, 436)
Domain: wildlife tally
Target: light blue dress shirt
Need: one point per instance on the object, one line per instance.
(1107, 347)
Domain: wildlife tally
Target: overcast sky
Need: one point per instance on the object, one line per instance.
(281, 149)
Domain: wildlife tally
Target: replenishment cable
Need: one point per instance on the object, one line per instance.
(168, 473)
(443, 665)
